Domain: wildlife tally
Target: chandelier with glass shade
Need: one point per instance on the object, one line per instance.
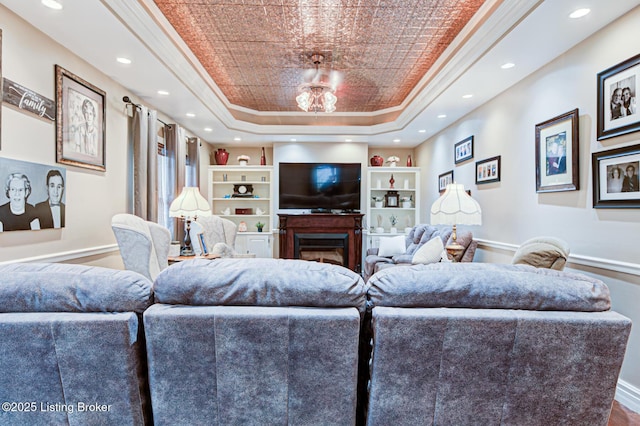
(317, 94)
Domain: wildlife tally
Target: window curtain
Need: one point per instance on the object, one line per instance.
(193, 162)
(175, 137)
(145, 170)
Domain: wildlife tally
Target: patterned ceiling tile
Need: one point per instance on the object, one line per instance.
(257, 51)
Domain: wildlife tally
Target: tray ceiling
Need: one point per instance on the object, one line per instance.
(257, 51)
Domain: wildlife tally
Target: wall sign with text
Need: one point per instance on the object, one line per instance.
(27, 100)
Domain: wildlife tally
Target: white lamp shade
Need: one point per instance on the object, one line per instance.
(189, 204)
(456, 207)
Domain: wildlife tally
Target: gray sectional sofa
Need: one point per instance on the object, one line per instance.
(275, 341)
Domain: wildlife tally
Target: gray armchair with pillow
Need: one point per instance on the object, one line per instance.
(393, 252)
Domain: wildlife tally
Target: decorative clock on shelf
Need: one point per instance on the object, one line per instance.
(242, 190)
(391, 199)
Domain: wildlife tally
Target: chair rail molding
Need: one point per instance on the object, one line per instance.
(66, 255)
(576, 259)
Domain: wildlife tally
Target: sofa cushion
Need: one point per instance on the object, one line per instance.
(491, 286)
(430, 252)
(392, 246)
(259, 282)
(58, 287)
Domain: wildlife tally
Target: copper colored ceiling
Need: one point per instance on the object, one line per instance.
(257, 50)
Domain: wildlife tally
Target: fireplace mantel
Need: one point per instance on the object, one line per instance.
(322, 223)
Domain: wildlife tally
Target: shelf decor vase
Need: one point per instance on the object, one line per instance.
(263, 161)
(222, 156)
(377, 161)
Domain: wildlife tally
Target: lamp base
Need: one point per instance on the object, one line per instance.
(187, 250)
(454, 250)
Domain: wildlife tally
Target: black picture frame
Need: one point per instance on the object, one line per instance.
(463, 150)
(488, 170)
(557, 153)
(610, 191)
(392, 199)
(615, 119)
(444, 179)
(80, 138)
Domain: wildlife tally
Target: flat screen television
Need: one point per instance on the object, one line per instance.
(320, 186)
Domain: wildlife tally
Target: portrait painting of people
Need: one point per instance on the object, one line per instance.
(80, 121)
(556, 158)
(32, 196)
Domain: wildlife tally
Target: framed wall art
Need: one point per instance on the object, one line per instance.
(80, 122)
(488, 171)
(34, 197)
(615, 178)
(557, 145)
(463, 150)
(617, 91)
(445, 179)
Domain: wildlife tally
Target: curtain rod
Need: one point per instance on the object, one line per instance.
(127, 100)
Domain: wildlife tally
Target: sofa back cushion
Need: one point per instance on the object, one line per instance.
(491, 286)
(58, 287)
(260, 282)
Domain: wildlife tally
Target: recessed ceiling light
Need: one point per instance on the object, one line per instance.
(507, 65)
(442, 116)
(396, 141)
(579, 13)
(237, 139)
(52, 4)
(422, 131)
(208, 129)
(124, 60)
(163, 92)
(348, 140)
(293, 139)
(190, 114)
(467, 96)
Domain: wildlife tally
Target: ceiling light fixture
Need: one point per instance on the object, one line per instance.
(422, 131)
(507, 65)
(579, 13)
(442, 116)
(467, 96)
(52, 4)
(208, 129)
(123, 60)
(190, 114)
(318, 94)
(163, 92)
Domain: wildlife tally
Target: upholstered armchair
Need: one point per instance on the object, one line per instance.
(542, 252)
(219, 234)
(414, 240)
(144, 245)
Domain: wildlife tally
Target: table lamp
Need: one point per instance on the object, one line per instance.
(189, 205)
(455, 207)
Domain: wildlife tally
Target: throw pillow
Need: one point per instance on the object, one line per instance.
(430, 252)
(392, 246)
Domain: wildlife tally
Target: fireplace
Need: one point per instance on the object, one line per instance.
(322, 237)
(324, 248)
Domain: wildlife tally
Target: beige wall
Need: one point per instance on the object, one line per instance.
(92, 197)
(512, 210)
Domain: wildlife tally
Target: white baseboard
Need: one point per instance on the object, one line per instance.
(628, 395)
(67, 255)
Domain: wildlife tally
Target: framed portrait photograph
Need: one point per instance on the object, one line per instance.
(445, 179)
(80, 122)
(463, 150)
(617, 91)
(615, 178)
(557, 145)
(488, 171)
